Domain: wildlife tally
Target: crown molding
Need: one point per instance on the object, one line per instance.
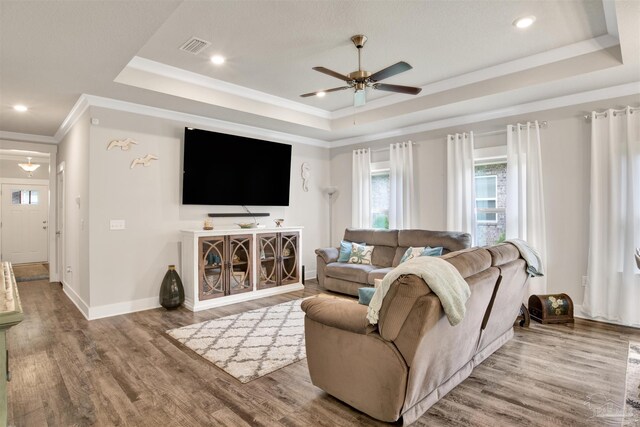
(27, 137)
(190, 77)
(610, 18)
(72, 118)
(627, 89)
(195, 120)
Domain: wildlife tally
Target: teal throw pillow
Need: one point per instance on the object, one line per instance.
(365, 295)
(437, 251)
(345, 251)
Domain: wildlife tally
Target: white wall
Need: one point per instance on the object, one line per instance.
(565, 159)
(73, 153)
(127, 266)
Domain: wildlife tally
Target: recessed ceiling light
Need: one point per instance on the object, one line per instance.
(21, 108)
(321, 94)
(217, 59)
(524, 22)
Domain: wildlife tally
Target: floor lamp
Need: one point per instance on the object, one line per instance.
(331, 191)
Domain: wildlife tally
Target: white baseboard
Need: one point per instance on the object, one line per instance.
(108, 310)
(577, 312)
(83, 307)
(309, 274)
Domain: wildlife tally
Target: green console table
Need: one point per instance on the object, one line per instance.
(10, 314)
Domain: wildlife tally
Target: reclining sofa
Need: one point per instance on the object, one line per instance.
(400, 367)
(390, 246)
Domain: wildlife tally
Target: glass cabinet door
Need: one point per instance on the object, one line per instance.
(240, 276)
(289, 258)
(268, 252)
(212, 271)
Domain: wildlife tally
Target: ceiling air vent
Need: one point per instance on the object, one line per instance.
(195, 45)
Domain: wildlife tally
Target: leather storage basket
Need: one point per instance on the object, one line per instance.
(555, 308)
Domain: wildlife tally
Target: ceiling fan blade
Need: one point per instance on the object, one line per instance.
(359, 98)
(409, 90)
(335, 89)
(332, 73)
(392, 70)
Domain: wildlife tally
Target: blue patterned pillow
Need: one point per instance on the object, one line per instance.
(412, 253)
(345, 251)
(365, 295)
(437, 251)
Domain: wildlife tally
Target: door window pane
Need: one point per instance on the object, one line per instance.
(24, 197)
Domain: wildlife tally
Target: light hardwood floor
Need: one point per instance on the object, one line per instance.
(125, 371)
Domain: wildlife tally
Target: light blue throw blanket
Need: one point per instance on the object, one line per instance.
(442, 278)
(530, 255)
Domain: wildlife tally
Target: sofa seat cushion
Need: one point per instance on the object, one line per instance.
(351, 272)
(378, 273)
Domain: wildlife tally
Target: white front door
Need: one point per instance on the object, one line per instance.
(24, 223)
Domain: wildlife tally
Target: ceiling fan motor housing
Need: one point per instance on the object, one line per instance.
(359, 40)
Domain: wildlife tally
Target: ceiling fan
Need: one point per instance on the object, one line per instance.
(360, 80)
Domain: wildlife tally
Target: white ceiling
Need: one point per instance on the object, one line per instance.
(466, 55)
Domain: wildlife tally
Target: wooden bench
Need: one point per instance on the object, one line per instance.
(10, 314)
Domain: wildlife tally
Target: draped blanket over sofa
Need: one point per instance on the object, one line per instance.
(402, 366)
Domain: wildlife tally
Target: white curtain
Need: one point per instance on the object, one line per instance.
(461, 198)
(525, 198)
(401, 205)
(361, 189)
(613, 278)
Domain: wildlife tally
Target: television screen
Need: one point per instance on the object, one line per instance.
(222, 169)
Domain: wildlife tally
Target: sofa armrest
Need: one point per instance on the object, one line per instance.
(339, 313)
(328, 254)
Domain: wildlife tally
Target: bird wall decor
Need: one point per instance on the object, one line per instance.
(144, 161)
(124, 144)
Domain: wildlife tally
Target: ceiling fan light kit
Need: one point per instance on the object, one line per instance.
(360, 79)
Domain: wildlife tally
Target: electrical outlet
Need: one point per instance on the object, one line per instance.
(584, 281)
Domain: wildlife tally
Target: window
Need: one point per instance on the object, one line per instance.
(380, 195)
(24, 197)
(491, 195)
(486, 198)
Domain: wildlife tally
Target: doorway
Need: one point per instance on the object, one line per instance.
(60, 228)
(24, 222)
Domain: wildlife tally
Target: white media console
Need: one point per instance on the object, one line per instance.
(227, 266)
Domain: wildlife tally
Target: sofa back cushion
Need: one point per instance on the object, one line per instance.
(449, 240)
(503, 253)
(403, 293)
(385, 242)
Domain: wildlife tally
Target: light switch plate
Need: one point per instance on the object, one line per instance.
(117, 224)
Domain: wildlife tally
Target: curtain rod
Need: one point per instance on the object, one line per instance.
(615, 112)
(377, 150)
(542, 125)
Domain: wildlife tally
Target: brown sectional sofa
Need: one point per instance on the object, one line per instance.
(390, 246)
(401, 367)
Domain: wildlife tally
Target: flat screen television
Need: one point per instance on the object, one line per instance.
(222, 169)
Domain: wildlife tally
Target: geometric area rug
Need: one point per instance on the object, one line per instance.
(251, 344)
(632, 398)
